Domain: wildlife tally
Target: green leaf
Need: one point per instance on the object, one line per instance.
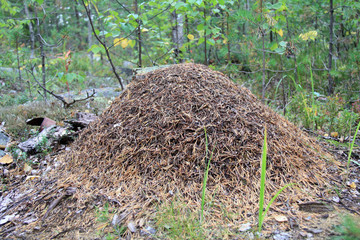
(277, 5)
(211, 41)
(280, 50)
(70, 76)
(96, 49)
(200, 27)
(215, 10)
(179, 5)
(274, 46)
(282, 43)
(199, 2)
(201, 40)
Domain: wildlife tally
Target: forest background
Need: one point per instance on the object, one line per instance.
(299, 57)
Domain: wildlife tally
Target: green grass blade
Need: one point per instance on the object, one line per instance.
(262, 181)
(263, 213)
(275, 196)
(351, 148)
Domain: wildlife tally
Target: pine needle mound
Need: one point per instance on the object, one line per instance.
(150, 144)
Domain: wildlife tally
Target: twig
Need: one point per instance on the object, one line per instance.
(69, 191)
(103, 43)
(65, 103)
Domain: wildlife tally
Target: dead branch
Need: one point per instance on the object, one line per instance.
(62, 99)
(68, 192)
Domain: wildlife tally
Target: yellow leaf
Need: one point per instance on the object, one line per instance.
(6, 159)
(280, 32)
(334, 134)
(353, 185)
(27, 168)
(40, 66)
(117, 41)
(131, 43)
(190, 36)
(144, 30)
(225, 41)
(124, 43)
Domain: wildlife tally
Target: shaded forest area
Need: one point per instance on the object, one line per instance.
(301, 57)
(63, 59)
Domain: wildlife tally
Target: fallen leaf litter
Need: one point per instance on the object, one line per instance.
(149, 146)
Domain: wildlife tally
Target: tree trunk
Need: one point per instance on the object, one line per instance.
(205, 50)
(103, 43)
(138, 32)
(89, 37)
(18, 61)
(78, 26)
(31, 30)
(228, 39)
(330, 78)
(187, 32)
(263, 56)
(177, 34)
(42, 53)
(357, 30)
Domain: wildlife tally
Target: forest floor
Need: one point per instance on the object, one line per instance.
(32, 206)
(22, 191)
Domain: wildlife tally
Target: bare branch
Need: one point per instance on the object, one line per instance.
(62, 99)
(123, 6)
(104, 45)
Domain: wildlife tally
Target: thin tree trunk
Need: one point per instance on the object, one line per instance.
(103, 43)
(177, 34)
(31, 30)
(228, 39)
(79, 28)
(138, 32)
(330, 78)
(18, 61)
(187, 33)
(42, 53)
(89, 37)
(357, 30)
(205, 51)
(263, 57)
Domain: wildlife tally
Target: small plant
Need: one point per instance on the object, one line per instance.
(349, 229)
(17, 154)
(44, 146)
(350, 151)
(104, 218)
(177, 221)
(263, 213)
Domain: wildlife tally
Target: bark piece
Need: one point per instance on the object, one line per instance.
(315, 207)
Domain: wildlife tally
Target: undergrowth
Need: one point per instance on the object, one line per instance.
(349, 229)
